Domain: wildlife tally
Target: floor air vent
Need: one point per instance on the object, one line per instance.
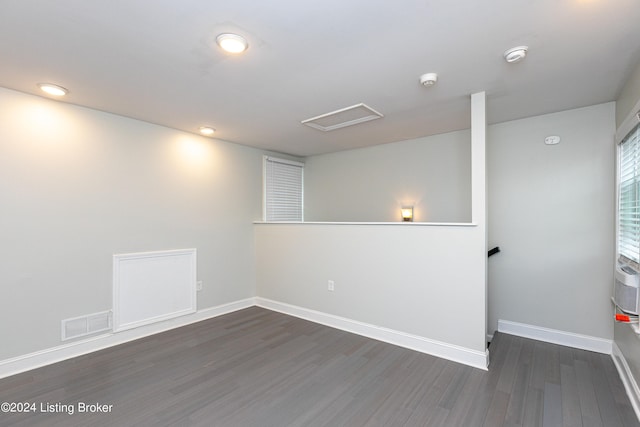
(344, 117)
(86, 325)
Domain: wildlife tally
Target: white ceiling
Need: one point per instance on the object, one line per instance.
(157, 60)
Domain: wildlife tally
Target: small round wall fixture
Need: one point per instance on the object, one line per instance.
(515, 54)
(207, 130)
(53, 90)
(232, 43)
(428, 79)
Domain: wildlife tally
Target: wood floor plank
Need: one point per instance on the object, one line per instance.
(571, 411)
(586, 392)
(497, 410)
(552, 364)
(533, 408)
(463, 403)
(606, 403)
(258, 368)
(539, 362)
(552, 413)
(515, 410)
(509, 369)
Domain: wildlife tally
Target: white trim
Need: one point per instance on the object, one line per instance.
(48, 356)
(554, 336)
(399, 223)
(264, 187)
(191, 255)
(474, 358)
(478, 158)
(284, 161)
(16, 365)
(629, 382)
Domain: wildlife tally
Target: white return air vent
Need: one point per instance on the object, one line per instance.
(86, 325)
(344, 117)
(626, 290)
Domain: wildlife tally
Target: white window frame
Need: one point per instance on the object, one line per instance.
(267, 189)
(628, 133)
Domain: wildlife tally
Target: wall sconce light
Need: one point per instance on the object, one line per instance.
(407, 213)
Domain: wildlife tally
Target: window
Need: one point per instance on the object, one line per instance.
(283, 184)
(629, 199)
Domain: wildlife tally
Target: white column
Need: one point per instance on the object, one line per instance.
(479, 183)
(478, 158)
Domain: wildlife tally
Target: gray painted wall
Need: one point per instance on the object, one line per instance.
(629, 96)
(78, 185)
(625, 339)
(551, 211)
(372, 184)
(401, 277)
(551, 208)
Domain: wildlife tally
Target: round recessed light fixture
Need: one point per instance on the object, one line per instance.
(232, 43)
(207, 130)
(428, 79)
(53, 90)
(515, 54)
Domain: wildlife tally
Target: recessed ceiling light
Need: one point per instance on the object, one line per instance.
(232, 43)
(515, 54)
(207, 130)
(53, 90)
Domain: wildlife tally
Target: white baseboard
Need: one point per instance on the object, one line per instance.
(629, 382)
(52, 355)
(554, 336)
(474, 358)
(37, 359)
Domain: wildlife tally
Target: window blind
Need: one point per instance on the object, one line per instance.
(629, 199)
(283, 192)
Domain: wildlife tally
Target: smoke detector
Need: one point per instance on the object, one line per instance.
(428, 79)
(515, 54)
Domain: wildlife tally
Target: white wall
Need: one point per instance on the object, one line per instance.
(550, 208)
(413, 279)
(372, 184)
(551, 211)
(78, 185)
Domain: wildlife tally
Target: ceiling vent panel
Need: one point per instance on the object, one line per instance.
(344, 117)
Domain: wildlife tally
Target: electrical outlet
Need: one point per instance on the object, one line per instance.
(199, 285)
(330, 285)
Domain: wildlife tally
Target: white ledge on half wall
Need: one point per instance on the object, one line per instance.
(404, 224)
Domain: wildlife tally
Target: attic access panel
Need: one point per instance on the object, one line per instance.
(344, 117)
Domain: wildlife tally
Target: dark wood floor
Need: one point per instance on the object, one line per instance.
(259, 368)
